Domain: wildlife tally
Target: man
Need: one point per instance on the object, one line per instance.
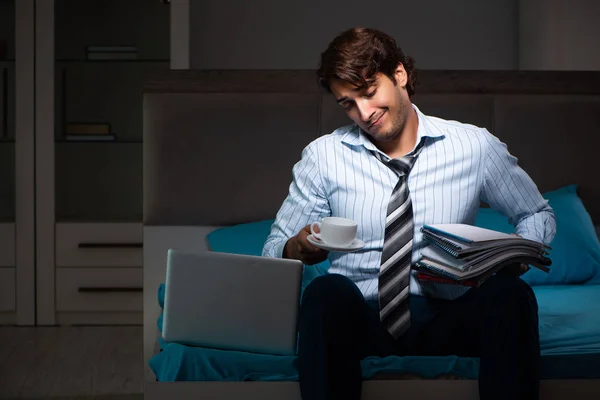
(392, 171)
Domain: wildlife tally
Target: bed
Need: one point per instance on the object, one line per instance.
(219, 147)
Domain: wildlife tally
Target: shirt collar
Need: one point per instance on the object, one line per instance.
(356, 137)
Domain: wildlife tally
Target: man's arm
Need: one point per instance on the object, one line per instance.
(508, 189)
(306, 202)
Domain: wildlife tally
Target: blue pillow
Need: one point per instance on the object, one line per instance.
(575, 250)
(249, 239)
(240, 239)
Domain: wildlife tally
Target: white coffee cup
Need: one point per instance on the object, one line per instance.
(335, 231)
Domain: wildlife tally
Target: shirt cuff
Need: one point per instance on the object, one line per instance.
(275, 250)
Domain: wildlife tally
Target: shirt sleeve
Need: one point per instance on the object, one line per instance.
(305, 203)
(509, 190)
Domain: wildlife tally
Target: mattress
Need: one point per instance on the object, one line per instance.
(569, 339)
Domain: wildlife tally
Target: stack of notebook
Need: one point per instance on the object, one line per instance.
(468, 255)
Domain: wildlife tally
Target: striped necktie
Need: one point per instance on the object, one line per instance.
(396, 258)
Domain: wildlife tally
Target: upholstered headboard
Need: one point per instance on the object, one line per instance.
(219, 147)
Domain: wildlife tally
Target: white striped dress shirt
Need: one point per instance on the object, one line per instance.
(460, 166)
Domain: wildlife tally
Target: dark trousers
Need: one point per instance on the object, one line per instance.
(497, 322)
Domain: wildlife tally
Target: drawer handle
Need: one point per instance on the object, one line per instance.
(96, 289)
(99, 245)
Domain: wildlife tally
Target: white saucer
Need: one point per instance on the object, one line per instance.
(357, 244)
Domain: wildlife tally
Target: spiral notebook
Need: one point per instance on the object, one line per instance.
(462, 239)
(460, 252)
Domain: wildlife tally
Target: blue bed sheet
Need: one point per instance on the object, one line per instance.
(569, 336)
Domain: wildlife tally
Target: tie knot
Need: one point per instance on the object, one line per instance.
(402, 165)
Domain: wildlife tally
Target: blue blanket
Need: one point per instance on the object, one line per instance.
(569, 336)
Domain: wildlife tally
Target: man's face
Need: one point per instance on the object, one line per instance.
(381, 109)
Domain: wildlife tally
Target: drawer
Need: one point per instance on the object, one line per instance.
(7, 289)
(7, 245)
(99, 244)
(99, 289)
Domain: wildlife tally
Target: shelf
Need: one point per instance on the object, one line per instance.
(8, 29)
(99, 219)
(62, 141)
(98, 183)
(86, 61)
(110, 92)
(7, 101)
(141, 23)
(7, 181)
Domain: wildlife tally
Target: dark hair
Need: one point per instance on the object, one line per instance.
(358, 54)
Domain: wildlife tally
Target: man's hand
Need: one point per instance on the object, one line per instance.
(299, 248)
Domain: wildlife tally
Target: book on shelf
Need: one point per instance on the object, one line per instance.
(112, 52)
(90, 138)
(74, 128)
(111, 49)
(107, 56)
(90, 132)
(466, 253)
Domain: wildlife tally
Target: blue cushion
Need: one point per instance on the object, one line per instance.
(575, 250)
(240, 239)
(249, 239)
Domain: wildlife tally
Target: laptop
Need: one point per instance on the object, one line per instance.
(232, 301)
